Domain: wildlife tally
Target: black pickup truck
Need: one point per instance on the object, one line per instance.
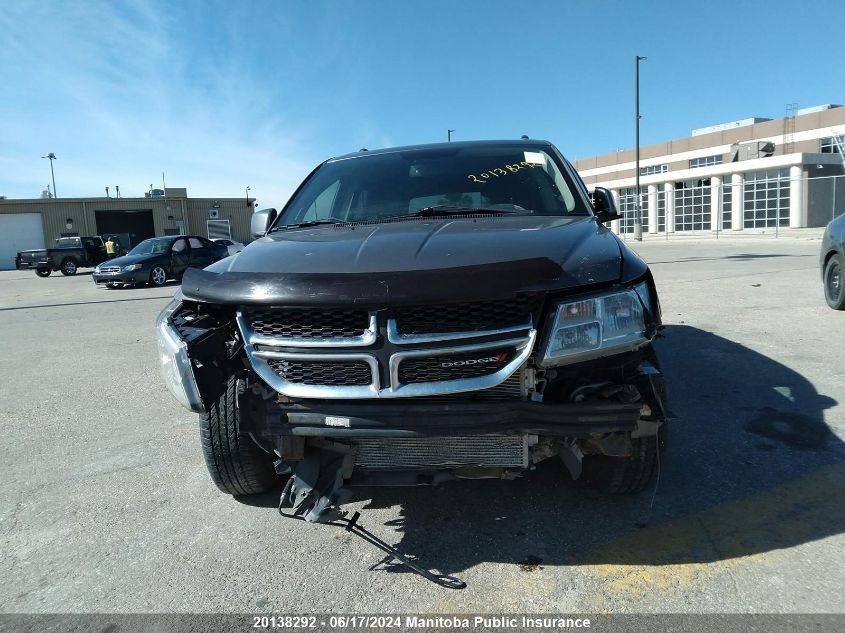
(69, 255)
(420, 314)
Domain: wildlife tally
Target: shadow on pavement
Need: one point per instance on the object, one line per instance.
(751, 467)
(739, 257)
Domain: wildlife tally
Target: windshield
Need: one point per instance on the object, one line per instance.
(507, 178)
(155, 245)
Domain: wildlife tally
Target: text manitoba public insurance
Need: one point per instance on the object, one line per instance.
(496, 622)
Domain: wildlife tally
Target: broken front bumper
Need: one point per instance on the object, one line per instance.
(358, 419)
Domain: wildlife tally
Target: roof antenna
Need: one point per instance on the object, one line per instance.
(524, 137)
(363, 149)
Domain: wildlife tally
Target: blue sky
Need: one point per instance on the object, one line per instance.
(229, 94)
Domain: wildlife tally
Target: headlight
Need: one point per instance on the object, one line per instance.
(176, 369)
(131, 267)
(596, 326)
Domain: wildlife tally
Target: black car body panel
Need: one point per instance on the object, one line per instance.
(833, 241)
(505, 315)
(413, 261)
(832, 263)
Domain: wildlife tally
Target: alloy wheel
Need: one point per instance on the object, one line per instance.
(159, 276)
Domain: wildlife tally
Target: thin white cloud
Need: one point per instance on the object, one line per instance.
(112, 90)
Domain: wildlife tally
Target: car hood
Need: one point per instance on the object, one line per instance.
(125, 260)
(413, 261)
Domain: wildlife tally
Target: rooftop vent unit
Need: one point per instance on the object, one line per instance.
(752, 150)
(818, 108)
(731, 125)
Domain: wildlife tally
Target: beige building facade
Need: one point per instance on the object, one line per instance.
(27, 224)
(754, 173)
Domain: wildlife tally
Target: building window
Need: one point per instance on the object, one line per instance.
(628, 207)
(727, 195)
(692, 205)
(653, 169)
(766, 199)
(661, 209)
(828, 144)
(705, 161)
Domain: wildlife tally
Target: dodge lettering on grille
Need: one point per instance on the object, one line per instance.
(500, 358)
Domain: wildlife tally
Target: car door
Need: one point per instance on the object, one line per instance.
(201, 254)
(218, 250)
(180, 257)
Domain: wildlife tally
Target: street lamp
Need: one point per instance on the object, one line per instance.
(449, 134)
(52, 157)
(247, 194)
(638, 217)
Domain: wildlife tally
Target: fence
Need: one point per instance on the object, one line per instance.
(767, 200)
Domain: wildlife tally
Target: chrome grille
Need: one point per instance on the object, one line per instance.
(108, 270)
(453, 366)
(439, 452)
(330, 359)
(463, 317)
(323, 372)
(510, 389)
(310, 324)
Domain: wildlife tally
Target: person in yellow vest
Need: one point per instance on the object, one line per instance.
(111, 248)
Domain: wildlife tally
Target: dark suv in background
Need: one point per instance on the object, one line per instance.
(158, 259)
(421, 314)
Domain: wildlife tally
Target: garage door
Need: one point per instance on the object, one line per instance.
(19, 232)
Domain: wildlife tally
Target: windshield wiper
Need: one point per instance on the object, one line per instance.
(444, 209)
(307, 223)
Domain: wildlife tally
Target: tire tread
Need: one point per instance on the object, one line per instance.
(624, 475)
(840, 304)
(236, 464)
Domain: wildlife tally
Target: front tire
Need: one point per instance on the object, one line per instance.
(69, 267)
(158, 276)
(235, 462)
(834, 282)
(43, 272)
(624, 475)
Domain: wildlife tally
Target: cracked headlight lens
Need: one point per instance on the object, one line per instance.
(596, 326)
(175, 366)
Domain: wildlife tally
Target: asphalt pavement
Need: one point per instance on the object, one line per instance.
(107, 506)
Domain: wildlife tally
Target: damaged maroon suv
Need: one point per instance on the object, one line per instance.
(420, 314)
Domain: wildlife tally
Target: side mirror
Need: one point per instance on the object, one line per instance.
(604, 205)
(261, 221)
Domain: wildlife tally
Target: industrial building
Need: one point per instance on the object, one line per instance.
(36, 223)
(746, 175)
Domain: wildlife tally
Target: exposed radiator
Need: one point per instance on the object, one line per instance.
(443, 452)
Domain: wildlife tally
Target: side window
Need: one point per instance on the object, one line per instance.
(323, 204)
(180, 246)
(196, 243)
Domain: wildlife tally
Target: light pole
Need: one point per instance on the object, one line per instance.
(638, 217)
(449, 135)
(247, 194)
(52, 157)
